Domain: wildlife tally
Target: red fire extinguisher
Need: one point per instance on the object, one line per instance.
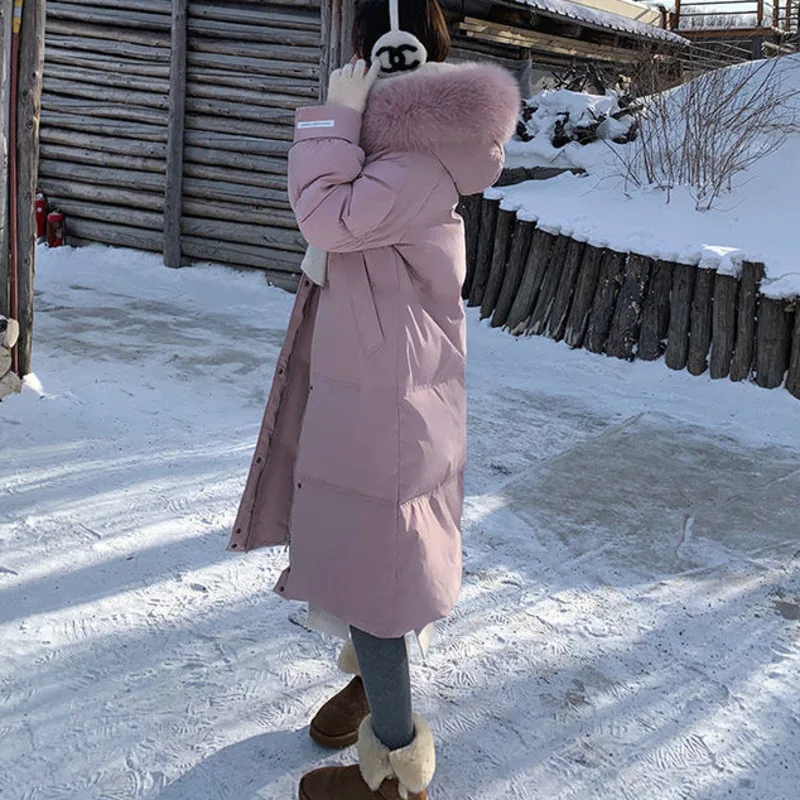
(55, 229)
(41, 216)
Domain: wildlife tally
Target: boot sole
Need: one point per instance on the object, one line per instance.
(333, 742)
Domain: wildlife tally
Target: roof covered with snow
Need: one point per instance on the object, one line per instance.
(601, 19)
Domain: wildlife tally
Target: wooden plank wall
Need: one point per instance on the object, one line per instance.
(104, 118)
(250, 65)
(105, 123)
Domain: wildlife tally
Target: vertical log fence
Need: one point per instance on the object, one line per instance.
(539, 281)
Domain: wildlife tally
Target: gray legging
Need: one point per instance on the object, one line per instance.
(384, 670)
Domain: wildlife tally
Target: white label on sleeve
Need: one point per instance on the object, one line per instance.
(316, 123)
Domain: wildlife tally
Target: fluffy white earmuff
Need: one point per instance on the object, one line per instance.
(398, 51)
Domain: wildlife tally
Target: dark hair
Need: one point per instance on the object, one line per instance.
(423, 18)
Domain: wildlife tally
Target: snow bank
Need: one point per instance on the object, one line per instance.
(755, 221)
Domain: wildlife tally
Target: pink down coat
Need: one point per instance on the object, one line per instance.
(359, 463)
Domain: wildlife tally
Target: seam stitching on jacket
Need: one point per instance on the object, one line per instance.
(345, 489)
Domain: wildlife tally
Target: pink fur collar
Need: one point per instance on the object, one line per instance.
(441, 105)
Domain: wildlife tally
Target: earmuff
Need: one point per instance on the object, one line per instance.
(398, 51)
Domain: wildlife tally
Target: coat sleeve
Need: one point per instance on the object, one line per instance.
(343, 204)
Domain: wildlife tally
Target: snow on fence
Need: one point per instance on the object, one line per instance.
(537, 281)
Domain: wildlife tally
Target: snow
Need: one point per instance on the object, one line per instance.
(629, 623)
(574, 115)
(755, 221)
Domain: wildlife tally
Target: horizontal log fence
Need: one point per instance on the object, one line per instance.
(166, 123)
(533, 280)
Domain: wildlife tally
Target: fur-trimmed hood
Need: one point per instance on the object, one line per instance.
(457, 112)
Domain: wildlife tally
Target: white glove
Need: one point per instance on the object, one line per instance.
(350, 85)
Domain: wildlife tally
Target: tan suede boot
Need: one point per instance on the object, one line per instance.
(336, 723)
(381, 774)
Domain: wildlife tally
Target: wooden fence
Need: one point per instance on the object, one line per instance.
(532, 280)
(166, 123)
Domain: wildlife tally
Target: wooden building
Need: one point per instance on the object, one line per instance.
(757, 28)
(166, 123)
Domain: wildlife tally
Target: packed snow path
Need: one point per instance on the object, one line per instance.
(631, 610)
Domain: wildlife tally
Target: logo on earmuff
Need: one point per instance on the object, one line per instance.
(398, 58)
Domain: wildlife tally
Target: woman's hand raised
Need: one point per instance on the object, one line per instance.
(350, 85)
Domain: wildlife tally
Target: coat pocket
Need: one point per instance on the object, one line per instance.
(365, 312)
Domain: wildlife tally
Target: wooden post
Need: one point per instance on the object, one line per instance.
(628, 313)
(173, 199)
(566, 287)
(470, 210)
(578, 319)
(520, 247)
(483, 260)
(6, 14)
(759, 13)
(612, 273)
(773, 341)
(793, 378)
(503, 239)
(683, 280)
(325, 49)
(550, 282)
(723, 336)
(655, 314)
(29, 103)
(535, 268)
(677, 17)
(700, 325)
(742, 363)
(348, 18)
(336, 34)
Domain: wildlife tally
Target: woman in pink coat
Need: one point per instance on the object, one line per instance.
(359, 464)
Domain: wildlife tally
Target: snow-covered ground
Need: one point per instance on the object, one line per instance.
(755, 221)
(630, 622)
